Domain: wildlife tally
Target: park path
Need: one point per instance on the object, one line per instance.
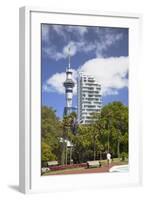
(86, 171)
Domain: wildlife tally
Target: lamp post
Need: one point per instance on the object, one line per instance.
(66, 154)
(108, 142)
(95, 139)
(109, 123)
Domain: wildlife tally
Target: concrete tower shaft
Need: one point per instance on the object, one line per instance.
(69, 85)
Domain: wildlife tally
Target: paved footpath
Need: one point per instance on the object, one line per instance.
(90, 170)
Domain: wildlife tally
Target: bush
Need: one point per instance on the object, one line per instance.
(123, 156)
(46, 153)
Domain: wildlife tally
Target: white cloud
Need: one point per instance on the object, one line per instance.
(55, 83)
(59, 29)
(73, 48)
(89, 47)
(45, 32)
(64, 31)
(76, 38)
(78, 30)
(72, 45)
(52, 53)
(106, 38)
(109, 72)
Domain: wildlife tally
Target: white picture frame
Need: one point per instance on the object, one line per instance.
(30, 178)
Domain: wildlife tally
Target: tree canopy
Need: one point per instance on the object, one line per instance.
(107, 133)
(50, 134)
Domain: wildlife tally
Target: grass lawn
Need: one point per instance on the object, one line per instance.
(114, 161)
(62, 171)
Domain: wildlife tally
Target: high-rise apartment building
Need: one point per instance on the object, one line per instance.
(89, 98)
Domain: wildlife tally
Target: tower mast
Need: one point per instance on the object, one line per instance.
(69, 85)
(69, 58)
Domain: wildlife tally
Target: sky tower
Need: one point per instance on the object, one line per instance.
(69, 85)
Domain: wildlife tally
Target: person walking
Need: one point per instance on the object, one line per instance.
(108, 156)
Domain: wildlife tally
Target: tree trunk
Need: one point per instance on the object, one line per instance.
(100, 156)
(94, 156)
(66, 154)
(70, 155)
(118, 149)
(63, 153)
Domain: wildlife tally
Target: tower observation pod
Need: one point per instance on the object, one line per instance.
(69, 85)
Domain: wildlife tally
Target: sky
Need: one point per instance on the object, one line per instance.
(98, 51)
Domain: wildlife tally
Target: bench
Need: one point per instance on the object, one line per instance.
(94, 163)
(52, 163)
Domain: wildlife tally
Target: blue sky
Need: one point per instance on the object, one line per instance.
(99, 51)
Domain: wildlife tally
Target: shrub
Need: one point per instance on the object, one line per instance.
(123, 156)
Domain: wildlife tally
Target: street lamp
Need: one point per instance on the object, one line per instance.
(108, 143)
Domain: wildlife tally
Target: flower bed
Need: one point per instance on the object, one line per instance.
(62, 167)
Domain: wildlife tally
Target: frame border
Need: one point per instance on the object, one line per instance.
(25, 86)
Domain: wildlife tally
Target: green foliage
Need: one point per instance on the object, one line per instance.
(51, 131)
(47, 154)
(115, 116)
(124, 156)
(107, 132)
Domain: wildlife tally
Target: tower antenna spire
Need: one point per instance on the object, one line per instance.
(69, 58)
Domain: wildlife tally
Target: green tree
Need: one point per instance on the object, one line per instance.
(46, 153)
(67, 125)
(50, 132)
(115, 116)
(107, 132)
